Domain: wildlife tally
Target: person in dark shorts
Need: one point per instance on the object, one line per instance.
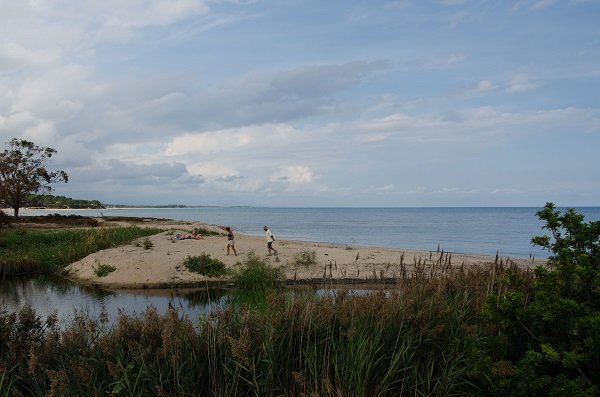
(230, 241)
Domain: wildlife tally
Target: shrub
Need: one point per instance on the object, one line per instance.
(257, 275)
(147, 243)
(306, 257)
(4, 219)
(103, 270)
(550, 325)
(205, 265)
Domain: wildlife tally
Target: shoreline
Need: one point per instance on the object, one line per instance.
(162, 265)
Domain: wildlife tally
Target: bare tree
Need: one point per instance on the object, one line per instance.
(23, 172)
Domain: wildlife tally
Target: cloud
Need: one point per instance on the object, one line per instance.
(208, 142)
(227, 140)
(521, 83)
(14, 55)
(480, 88)
(293, 175)
(126, 173)
(441, 62)
(542, 4)
(472, 124)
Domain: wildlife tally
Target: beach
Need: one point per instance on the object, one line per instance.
(161, 266)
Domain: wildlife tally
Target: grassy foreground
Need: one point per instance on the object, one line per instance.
(424, 338)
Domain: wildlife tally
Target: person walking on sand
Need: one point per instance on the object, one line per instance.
(230, 241)
(269, 237)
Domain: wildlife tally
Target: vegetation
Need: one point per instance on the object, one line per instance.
(497, 330)
(256, 275)
(205, 265)
(48, 251)
(103, 269)
(550, 325)
(425, 338)
(50, 201)
(23, 172)
(56, 220)
(305, 257)
(146, 243)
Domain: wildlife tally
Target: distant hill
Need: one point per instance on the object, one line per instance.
(50, 201)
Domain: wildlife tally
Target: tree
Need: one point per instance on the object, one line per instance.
(551, 326)
(23, 172)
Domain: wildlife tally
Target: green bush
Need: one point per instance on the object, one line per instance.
(103, 270)
(550, 324)
(305, 257)
(205, 265)
(257, 275)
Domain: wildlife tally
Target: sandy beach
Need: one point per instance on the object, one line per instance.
(162, 265)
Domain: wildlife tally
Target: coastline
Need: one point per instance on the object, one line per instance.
(162, 265)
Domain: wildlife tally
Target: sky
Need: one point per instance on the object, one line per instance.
(309, 103)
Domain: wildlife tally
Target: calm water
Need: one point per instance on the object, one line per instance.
(49, 294)
(467, 230)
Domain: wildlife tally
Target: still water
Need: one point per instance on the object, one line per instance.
(49, 294)
(53, 294)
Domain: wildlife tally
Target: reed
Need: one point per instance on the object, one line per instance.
(421, 338)
(256, 274)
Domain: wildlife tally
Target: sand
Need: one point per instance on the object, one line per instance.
(162, 265)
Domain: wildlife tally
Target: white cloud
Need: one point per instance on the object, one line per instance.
(14, 55)
(293, 175)
(520, 83)
(208, 142)
(542, 4)
(227, 140)
(441, 62)
(121, 19)
(480, 88)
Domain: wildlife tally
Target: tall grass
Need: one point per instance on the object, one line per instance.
(48, 251)
(421, 338)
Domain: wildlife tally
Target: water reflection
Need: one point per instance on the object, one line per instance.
(49, 294)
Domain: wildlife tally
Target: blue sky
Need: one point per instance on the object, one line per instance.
(309, 103)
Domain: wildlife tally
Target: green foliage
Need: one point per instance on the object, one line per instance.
(50, 201)
(205, 265)
(305, 257)
(48, 251)
(103, 269)
(23, 172)
(256, 275)
(550, 325)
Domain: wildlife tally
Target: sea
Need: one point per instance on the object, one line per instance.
(470, 230)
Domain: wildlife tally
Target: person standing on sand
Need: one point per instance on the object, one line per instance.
(230, 241)
(269, 237)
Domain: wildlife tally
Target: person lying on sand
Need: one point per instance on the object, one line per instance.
(193, 236)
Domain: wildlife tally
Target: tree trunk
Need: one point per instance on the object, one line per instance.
(16, 211)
